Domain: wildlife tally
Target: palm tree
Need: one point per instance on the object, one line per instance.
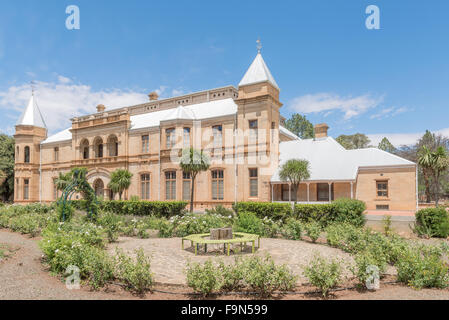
(294, 171)
(63, 180)
(425, 161)
(120, 181)
(193, 162)
(434, 163)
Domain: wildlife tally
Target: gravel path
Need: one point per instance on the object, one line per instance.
(22, 276)
(169, 260)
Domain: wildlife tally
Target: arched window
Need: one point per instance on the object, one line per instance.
(27, 154)
(98, 145)
(99, 188)
(113, 146)
(84, 148)
(17, 153)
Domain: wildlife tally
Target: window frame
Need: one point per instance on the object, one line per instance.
(253, 131)
(186, 178)
(170, 184)
(253, 178)
(145, 186)
(170, 138)
(26, 189)
(218, 181)
(382, 193)
(145, 139)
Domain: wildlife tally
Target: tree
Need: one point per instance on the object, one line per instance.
(300, 126)
(433, 163)
(386, 145)
(63, 180)
(193, 162)
(120, 181)
(7, 167)
(355, 141)
(294, 171)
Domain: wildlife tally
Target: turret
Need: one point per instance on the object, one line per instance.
(31, 130)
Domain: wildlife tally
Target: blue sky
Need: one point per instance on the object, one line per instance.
(329, 66)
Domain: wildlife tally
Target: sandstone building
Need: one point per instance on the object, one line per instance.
(241, 129)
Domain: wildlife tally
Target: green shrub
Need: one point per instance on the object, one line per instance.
(136, 274)
(366, 262)
(292, 229)
(432, 222)
(203, 278)
(264, 276)
(220, 210)
(144, 208)
(248, 222)
(192, 223)
(232, 275)
(422, 268)
(275, 211)
(322, 213)
(323, 274)
(65, 212)
(350, 211)
(313, 230)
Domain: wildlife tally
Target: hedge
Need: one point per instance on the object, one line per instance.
(432, 222)
(322, 213)
(138, 208)
(276, 211)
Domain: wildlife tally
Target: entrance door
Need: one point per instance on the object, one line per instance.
(99, 188)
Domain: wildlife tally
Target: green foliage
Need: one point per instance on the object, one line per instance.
(65, 212)
(386, 145)
(120, 180)
(349, 210)
(193, 162)
(323, 274)
(261, 275)
(192, 223)
(248, 222)
(144, 208)
(386, 222)
(355, 141)
(365, 261)
(422, 267)
(292, 229)
(322, 213)
(7, 145)
(432, 222)
(300, 126)
(203, 278)
(340, 211)
(313, 230)
(135, 273)
(294, 171)
(220, 210)
(275, 211)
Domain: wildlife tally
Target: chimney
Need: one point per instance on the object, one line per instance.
(100, 108)
(153, 96)
(321, 130)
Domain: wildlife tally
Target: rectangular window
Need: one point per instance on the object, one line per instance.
(17, 188)
(145, 186)
(186, 181)
(217, 185)
(323, 191)
(170, 185)
(382, 188)
(253, 183)
(170, 138)
(56, 150)
(285, 196)
(253, 131)
(145, 144)
(186, 137)
(26, 189)
(217, 132)
(382, 207)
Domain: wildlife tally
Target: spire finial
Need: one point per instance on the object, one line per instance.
(259, 45)
(32, 83)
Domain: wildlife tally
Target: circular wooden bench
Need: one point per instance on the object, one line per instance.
(238, 237)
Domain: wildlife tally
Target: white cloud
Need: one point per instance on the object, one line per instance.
(320, 102)
(389, 112)
(62, 100)
(398, 139)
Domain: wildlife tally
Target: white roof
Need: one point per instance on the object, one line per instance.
(32, 116)
(60, 136)
(200, 111)
(330, 161)
(258, 72)
(287, 132)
